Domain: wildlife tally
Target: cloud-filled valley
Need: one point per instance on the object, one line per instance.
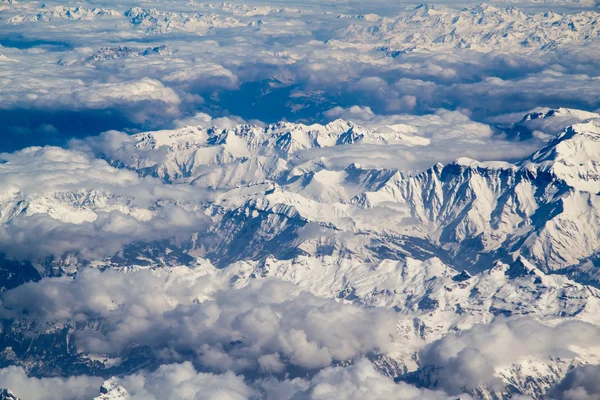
(299, 200)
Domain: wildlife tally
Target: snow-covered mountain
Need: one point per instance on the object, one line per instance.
(155, 22)
(426, 227)
(112, 390)
(49, 13)
(6, 394)
(271, 187)
(444, 252)
(481, 28)
(113, 53)
(273, 183)
(430, 301)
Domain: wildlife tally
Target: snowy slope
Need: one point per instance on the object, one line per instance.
(155, 22)
(274, 191)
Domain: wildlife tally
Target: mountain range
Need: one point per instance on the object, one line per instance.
(446, 249)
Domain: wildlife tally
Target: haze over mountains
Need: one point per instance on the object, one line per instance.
(299, 201)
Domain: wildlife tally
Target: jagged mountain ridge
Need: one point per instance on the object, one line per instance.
(112, 390)
(155, 22)
(45, 14)
(267, 189)
(481, 28)
(369, 236)
(469, 213)
(112, 53)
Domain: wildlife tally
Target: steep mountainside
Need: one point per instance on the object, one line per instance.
(272, 193)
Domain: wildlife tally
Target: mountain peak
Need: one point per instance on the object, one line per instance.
(573, 156)
(561, 112)
(6, 394)
(112, 390)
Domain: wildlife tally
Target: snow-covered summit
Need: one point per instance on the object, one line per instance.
(6, 394)
(118, 52)
(573, 156)
(242, 154)
(112, 390)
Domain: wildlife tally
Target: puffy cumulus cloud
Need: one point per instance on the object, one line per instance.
(206, 121)
(358, 381)
(545, 88)
(56, 201)
(423, 140)
(362, 381)
(263, 327)
(76, 94)
(486, 84)
(94, 293)
(37, 237)
(38, 170)
(182, 382)
(438, 126)
(30, 388)
(353, 113)
(472, 358)
(211, 74)
(581, 383)
(104, 95)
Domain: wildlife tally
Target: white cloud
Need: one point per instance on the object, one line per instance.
(182, 382)
(472, 358)
(227, 65)
(75, 94)
(361, 381)
(107, 208)
(442, 136)
(581, 383)
(206, 121)
(30, 388)
(227, 329)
